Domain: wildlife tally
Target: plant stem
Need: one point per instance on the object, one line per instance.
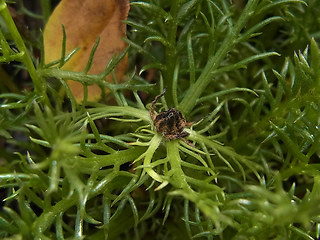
(25, 59)
(195, 90)
(46, 9)
(178, 179)
(86, 79)
(171, 55)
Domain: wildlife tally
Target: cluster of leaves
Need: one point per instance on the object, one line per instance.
(100, 171)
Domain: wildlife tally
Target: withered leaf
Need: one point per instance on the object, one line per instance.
(84, 22)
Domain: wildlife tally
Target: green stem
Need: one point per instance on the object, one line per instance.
(171, 54)
(178, 178)
(46, 9)
(47, 217)
(86, 79)
(195, 90)
(25, 59)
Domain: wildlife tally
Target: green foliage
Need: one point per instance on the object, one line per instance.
(246, 73)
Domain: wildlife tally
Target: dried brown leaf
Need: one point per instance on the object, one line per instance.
(84, 22)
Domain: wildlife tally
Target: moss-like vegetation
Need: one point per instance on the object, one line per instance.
(248, 74)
